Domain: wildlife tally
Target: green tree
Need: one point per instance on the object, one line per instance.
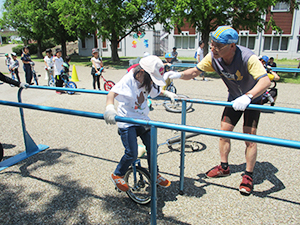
(112, 19)
(26, 17)
(207, 15)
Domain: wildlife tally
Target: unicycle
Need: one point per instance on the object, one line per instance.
(35, 77)
(139, 183)
(176, 107)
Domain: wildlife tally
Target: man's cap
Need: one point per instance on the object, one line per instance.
(225, 35)
(13, 54)
(265, 58)
(95, 50)
(155, 67)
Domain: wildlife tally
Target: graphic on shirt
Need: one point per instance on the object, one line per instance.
(140, 100)
(231, 76)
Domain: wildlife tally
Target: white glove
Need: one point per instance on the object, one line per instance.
(172, 75)
(241, 103)
(49, 68)
(170, 95)
(24, 85)
(31, 63)
(110, 113)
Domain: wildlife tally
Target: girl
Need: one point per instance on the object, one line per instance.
(58, 66)
(131, 92)
(97, 66)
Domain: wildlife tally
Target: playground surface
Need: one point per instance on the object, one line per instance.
(69, 183)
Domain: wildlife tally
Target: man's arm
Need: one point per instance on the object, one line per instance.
(261, 86)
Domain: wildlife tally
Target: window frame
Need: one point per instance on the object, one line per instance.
(189, 38)
(279, 44)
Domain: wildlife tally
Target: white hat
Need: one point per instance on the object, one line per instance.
(13, 54)
(155, 67)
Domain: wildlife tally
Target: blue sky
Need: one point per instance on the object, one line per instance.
(1, 4)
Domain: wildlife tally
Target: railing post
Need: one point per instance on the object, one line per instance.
(153, 171)
(182, 152)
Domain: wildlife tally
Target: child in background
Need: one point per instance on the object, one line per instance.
(7, 60)
(48, 59)
(167, 67)
(26, 59)
(132, 92)
(58, 66)
(67, 61)
(97, 67)
(14, 66)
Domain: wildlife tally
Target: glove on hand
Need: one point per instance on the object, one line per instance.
(31, 63)
(110, 113)
(170, 95)
(172, 75)
(241, 103)
(24, 85)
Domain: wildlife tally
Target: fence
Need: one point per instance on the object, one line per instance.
(31, 148)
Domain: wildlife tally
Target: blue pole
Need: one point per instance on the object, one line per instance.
(153, 156)
(182, 152)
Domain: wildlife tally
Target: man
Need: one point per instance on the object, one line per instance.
(246, 80)
(200, 55)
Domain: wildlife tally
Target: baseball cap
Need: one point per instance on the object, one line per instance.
(13, 54)
(94, 50)
(225, 35)
(155, 67)
(265, 58)
(6, 54)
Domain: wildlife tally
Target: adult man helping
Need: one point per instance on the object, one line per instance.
(246, 80)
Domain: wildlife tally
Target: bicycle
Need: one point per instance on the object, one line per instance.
(67, 83)
(108, 84)
(138, 178)
(35, 77)
(175, 107)
(171, 88)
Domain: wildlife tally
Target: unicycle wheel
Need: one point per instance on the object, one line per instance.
(139, 190)
(108, 85)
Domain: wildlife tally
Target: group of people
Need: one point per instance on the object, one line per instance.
(54, 65)
(241, 71)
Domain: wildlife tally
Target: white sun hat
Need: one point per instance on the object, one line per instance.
(155, 67)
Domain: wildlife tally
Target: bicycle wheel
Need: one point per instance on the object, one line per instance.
(139, 190)
(172, 89)
(35, 79)
(108, 85)
(51, 82)
(71, 84)
(177, 106)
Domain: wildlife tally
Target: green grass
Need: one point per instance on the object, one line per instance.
(124, 64)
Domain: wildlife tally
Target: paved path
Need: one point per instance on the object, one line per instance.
(69, 183)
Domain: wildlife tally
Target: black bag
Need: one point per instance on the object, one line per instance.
(273, 92)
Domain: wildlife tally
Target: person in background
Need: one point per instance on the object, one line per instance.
(26, 59)
(14, 66)
(7, 60)
(200, 56)
(246, 80)
(97, 67)
(175, 55)
(58, 67)
(48, 59)
(271, 62)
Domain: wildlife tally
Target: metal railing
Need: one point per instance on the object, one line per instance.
(32, 148)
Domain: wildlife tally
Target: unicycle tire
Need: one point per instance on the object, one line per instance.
(177, 106)
(71, 84)
(108, 85)
(172, 88)
(51, 83)
(139, 192)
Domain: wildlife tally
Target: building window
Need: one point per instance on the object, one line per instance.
(276, 43)
(281, 7)
(247, 41)
(185, 42)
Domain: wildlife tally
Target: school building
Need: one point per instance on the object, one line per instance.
(158, 42)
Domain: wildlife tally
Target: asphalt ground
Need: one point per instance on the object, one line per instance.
(69, 183)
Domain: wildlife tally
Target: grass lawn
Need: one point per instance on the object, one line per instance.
(124, 64)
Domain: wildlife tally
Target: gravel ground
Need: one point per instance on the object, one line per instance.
(69, 183)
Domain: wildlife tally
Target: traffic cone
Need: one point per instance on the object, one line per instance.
(74, 75)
